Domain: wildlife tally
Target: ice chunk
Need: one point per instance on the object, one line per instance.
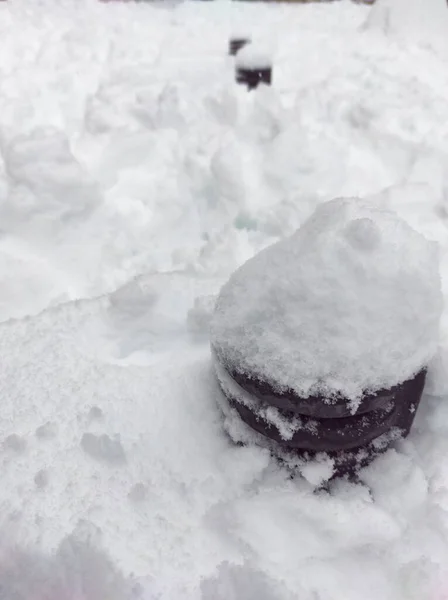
(350, 303)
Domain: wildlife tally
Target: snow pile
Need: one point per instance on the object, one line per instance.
(190, 515)
(242, 582)
(121, 157)
(424, 21)
(350, 303)
(48, 187)
(253, 56)
(129, 152)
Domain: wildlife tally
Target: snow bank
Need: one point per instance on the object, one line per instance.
(189, 514)
(419, 21)
(348, 304)
(47, 184)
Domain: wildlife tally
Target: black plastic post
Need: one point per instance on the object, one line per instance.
(352, 440)
(235, 45)
(253, 76)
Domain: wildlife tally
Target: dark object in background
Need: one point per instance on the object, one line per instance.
(235, 45)
(253, 76)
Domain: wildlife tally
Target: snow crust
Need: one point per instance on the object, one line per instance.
(350, 303)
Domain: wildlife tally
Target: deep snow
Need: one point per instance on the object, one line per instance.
(135, 176)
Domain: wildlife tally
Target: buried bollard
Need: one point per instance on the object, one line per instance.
(253, 67)
(254, 76)
(320, 342)
(236, 44)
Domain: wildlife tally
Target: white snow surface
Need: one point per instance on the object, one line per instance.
(348, 304)
(253, 57)
(135, 177)
(423, 22)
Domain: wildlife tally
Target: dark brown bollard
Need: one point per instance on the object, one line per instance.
(253, 76)
(350, 439)
(235, 45)
(312, 347)
(395, 408)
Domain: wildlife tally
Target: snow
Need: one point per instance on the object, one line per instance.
(285, 427)
(423, 22)
(135, 177)
(47, 183)
(253, 56)
(349, 304)
(318, 472)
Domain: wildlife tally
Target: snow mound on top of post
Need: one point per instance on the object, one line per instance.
(254, 56)
(348, 304)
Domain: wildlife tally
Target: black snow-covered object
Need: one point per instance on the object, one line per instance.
(320, 342)
(235, 45)
(352, 440)
(252, 77)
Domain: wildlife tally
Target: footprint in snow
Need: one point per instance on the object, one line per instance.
(103, 448)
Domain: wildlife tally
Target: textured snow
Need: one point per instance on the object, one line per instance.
(253, 56)
(135, 177)
(286, 427)
(350, 303)
(422, 22)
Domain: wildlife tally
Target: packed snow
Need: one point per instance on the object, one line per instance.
(349, 304)
(421, 22)
(253, 57)
(135, 177)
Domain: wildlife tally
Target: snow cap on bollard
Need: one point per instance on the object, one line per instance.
(348, 304)
(253, 66)
(333, 327)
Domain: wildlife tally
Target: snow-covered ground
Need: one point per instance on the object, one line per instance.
(135, 176)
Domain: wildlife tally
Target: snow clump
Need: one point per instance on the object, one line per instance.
(349, 304)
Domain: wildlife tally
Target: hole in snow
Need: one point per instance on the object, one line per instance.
(15, 442)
